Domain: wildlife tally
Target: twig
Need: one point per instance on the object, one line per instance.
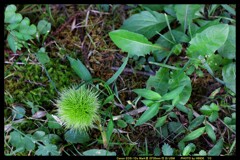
(132, 113)
(128, 70)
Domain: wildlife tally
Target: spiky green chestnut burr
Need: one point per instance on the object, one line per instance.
(78, 108)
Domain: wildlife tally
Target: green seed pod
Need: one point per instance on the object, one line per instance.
(78, 108)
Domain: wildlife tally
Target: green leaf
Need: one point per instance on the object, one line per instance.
(194, 134)
(43, 27)
(26, 29)
(10, 16)
(208, 41)
(161, 121)
(80, 69)
(108, 99)
(180, 79)
(217, 149)
(213, 117)
(38, 135)
(18, 112)
(52, 123)
(189, 148)
(51, 138)
(172, 94)
(160, 81)
(196, 122)
(148, 114)
(210, 132)
(156, 151)
(129, 119)
(76, 136)
(121, 123)
(148, 94)
(206, 110)
(214, 107)
(186, 13)
(229, 76)
(175, 127)
(110, 128)
(202, 153)
(115, 76)
(146, 23)
(133, 43)
(12, 43)
(18, 141)
(167, 150)
(98, 152)
(46, 150)
(42, 56)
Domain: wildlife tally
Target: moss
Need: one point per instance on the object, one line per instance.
(30, 82)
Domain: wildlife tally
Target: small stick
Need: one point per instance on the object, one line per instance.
(128, 70)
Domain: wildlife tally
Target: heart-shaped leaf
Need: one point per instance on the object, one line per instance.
(10, 16)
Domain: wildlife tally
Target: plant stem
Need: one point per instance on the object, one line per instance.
(165, 65)
(103, 133)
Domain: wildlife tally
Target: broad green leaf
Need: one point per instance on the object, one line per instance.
(115, 76)
(208, 41)
(148, 94)
(206, 110)
(172, 94)
(160, 81)
(38, 135)
(26, 29)
(147, 102)
(80, 69)
(154, 7)
(180, 79)
(229, 9)
(176, 127)
(129, 119)
(167, 42)
(213, 117)
(182, 108)
(133, 43)
(214, 107)
(18, 141)
(229, 76)
(167, 150)
(161, 121)
(98, 152)
(18, 112)
(186, 13)
(217, 149)
(228, 50)
(189, 148)
(47, 150)
(51, 138)
(194, 134)
(210, 132)
(42, 56)
(110, 128)
(204, 24)
(196, 122)
(43, 27)
(121, 123)
(215, 61)
(146, 23)
(148, 114)
(76, 136)
(12, 43)
(10, 16)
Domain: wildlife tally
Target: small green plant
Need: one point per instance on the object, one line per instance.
(78, 108)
